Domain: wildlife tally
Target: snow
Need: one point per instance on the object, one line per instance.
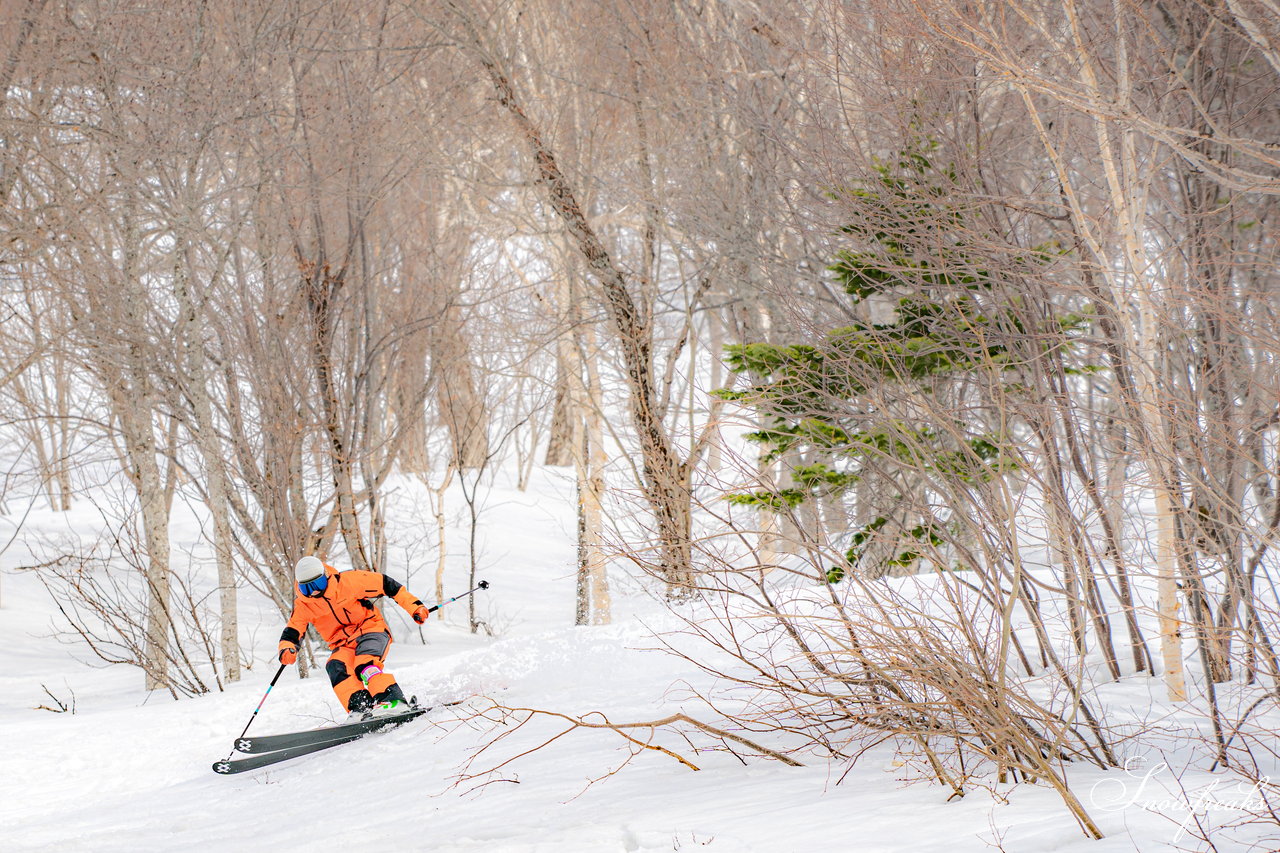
(130, 772)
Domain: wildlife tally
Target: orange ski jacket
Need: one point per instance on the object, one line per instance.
(345, 609)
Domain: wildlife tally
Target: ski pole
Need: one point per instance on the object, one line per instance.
(482, 585)
(254, 715)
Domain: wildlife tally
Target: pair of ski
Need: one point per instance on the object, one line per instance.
(270, 749)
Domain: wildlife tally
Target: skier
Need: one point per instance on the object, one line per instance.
(339, 605)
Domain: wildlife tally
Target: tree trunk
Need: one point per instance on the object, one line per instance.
(593, 581)
(666, 479)
(320, 288)
(139, 441)
(560, 441)
(208, 441)
(462, 405)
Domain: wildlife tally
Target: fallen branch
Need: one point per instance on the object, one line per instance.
(62, 706)
(502, 714)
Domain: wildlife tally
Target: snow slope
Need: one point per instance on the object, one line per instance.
(128, 772)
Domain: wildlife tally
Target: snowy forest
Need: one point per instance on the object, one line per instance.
(866, 416)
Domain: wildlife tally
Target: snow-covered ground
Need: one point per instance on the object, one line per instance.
(132, 772)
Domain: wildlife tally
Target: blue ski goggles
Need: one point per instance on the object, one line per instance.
(314, 585)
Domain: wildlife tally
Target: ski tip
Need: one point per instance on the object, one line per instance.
(223, 767)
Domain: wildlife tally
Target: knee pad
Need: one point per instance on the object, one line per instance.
(337, 671)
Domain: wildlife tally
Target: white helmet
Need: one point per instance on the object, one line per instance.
(308, 569)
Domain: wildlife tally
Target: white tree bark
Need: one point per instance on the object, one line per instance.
(211, 456)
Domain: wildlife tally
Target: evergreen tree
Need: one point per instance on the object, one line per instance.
(932, 312)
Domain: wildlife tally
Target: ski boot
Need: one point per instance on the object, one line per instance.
(360, 706)
(390, 702)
